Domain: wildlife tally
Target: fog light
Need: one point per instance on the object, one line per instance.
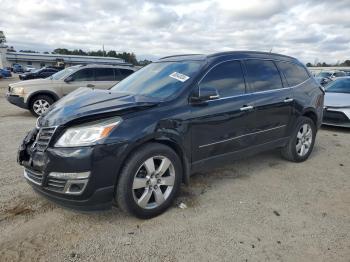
(82, 175)
(75, 187)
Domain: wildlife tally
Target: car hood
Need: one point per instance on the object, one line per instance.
(85, 102)
(35, 82)
(337, 99)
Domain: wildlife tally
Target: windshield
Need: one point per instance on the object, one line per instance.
(62, 74)
(159, 80)
(339, 86)
(36, 70)
(324, 74)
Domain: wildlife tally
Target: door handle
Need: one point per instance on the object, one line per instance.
(245, 108)
(90, 85)
(288, 100)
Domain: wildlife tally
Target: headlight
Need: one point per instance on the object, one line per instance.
(87, 134)
(17, 90)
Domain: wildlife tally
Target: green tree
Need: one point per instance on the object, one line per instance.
(2, 38)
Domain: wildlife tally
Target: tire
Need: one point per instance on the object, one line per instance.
(35, 102)
(130, 196)
(293, 150)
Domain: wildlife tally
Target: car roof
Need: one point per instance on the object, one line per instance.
(103, 66)
(229, 55)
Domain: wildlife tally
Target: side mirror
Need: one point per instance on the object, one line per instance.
(68, 79)
(206, 94)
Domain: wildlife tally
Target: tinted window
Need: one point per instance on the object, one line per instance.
(338, 74)
(104, 74)
(294, 73)
(227, 78)
(121, 73)
(263, 75)
(86, 74)
(125, 72)
(339, 86)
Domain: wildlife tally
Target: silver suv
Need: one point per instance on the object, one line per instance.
(37, 95)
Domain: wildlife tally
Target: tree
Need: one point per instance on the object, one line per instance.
(2, 38)
(345, 63)
(309, 64)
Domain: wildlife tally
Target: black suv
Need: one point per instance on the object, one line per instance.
(135, 143)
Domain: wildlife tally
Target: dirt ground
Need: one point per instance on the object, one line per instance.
(259, 209)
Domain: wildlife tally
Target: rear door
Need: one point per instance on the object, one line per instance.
(273, 102)
(220, 126)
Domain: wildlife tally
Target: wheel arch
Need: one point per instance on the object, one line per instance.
(172, 143)
(49, 93)
(311, 113)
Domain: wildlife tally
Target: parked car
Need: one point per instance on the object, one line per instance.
(30, 68)
(38, 73)
(5, 73)
(337, 103)
(37, 95)
(135, 143)
(324, 77)
(17, 68)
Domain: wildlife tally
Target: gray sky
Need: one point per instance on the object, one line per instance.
(308, 29)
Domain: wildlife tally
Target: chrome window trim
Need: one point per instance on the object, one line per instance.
(237, 137)
(261, 92)
(258, 92)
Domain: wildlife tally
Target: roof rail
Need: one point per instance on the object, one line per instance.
(177, 56)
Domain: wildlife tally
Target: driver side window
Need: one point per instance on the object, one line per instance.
(227, 78)
(86, 74)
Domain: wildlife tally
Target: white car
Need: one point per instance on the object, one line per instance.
(29, 68)
(337, 103)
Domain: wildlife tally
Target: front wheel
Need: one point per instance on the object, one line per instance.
(301, 142)
(149, 181)
(40, 104)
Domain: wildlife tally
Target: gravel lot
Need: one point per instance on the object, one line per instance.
(259, 209)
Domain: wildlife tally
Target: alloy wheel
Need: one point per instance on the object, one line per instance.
(40, 106)
(153, 182)
(304, 140)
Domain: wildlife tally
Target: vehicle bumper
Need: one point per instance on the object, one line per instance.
(101, 161)
(336, 117)
(16, 100)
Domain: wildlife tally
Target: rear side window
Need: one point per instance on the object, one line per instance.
(104, 74)
(263, 75)
(86, 74)
(294, 73)
(227, 78)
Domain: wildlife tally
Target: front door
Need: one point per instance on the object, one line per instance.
(82, 78)
(220, 126)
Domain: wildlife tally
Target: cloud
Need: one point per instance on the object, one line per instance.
(307, 29)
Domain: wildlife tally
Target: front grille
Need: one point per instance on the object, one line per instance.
(44, 137)
(33, 176)
(334, 117)
(56, 184)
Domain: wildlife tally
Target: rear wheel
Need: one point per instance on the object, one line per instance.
(39, 104)
(149, 181)
(301, 142)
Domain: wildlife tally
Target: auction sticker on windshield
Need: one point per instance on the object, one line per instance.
(179, 76)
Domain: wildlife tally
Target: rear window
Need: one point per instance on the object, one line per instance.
(339, 86)
(295, 74)
(262, 75)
